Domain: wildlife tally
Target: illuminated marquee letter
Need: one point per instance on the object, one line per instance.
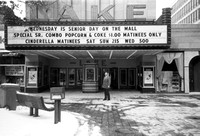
(40, 9)
(106, 15)
(68, 12)
(135, 10)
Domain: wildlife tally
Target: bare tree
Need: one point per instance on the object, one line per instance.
(7, 13)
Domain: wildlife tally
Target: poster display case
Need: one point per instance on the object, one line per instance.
(32, 76)
(146, 79)
(90, 77)
(90, 74)
(34, 80)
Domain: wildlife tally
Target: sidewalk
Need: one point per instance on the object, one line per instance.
(133, 114)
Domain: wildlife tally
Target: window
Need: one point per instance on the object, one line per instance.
(195, 16)
(195, 3)
(192, 4)
(199, 12)
(192, 17)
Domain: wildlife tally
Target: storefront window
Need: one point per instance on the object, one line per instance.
(170, 81)
(170, 72)
(12, 68)
(12, 74)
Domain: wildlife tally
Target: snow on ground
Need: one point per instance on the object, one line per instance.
(19, 123)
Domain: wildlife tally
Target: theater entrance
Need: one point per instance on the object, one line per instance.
(127, 78)
(69, 78)
(75, 77)
(114, 78)
(121, 78)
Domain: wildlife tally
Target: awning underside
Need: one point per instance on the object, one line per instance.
(89, 54)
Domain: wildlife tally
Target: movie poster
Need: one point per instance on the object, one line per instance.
(32, 76)
(148, 76)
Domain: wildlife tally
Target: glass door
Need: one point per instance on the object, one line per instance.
(54, 77)
(114, 78)
(131, 77)
(71, 78)
(62, 77)
(75, 77)
(123, 78)
(127, 78)
(79, 77)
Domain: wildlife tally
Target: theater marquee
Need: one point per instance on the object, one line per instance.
(109, 35)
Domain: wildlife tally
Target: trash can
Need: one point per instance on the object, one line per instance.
(2, 98)
(8, 95)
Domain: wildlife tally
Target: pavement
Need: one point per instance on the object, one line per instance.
(134, 114)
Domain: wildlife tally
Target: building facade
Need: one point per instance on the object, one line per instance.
(186, 41)
(186, 12)
(72, 43)
(91, 10)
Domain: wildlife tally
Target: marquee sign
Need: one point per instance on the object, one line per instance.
(82, 35)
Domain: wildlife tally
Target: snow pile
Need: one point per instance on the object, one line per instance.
(19, 123)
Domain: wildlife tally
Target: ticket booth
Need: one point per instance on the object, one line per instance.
(90, 78)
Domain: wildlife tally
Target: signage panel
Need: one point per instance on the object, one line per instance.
(14, 71)
(76, 35)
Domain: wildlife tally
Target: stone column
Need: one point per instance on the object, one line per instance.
(186, 77)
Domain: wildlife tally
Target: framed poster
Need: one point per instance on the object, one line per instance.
(90, 74)
(148, 78)
(32, 76)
